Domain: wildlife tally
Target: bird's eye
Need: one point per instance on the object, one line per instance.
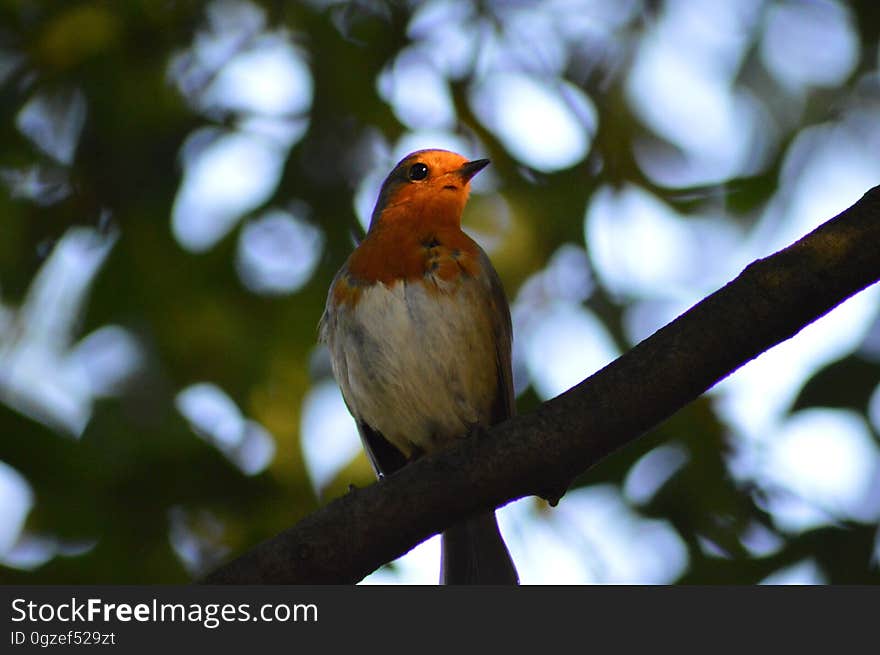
(418, 172)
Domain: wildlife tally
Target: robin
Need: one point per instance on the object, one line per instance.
(419, 333)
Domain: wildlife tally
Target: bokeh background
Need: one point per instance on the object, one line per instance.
(180, 180)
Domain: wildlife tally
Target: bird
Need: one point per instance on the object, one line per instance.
(419, 333)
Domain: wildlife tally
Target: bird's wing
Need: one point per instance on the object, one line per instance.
(384, 457)
(504, 405)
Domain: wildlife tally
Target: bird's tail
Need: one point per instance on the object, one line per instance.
(473, 552)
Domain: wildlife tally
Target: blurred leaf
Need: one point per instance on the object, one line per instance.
(847, 383)
(79, 32)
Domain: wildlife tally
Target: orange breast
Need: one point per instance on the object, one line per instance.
(394, 251)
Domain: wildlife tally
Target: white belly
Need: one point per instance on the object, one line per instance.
(418, 366)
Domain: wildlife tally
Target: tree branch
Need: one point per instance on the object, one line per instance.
(769, 302)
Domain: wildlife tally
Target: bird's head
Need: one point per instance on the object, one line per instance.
(427, 185)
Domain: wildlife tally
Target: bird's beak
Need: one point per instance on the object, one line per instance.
(471, 168)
